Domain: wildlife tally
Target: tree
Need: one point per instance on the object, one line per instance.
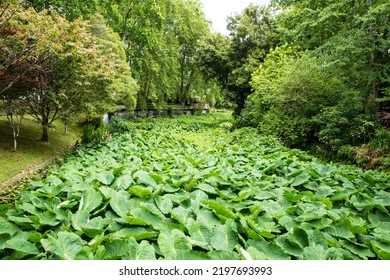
(358, 30)
(69, 68)
(302, 102)
(253, 34)
(15, 109)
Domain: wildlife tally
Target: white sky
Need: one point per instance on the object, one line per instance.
(218, 10)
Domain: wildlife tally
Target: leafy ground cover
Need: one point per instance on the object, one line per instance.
(162, 191)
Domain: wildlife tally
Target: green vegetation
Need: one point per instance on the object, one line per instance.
(315, 74)
(151, 194)
(312, 75)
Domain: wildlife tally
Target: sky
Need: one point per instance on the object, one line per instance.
(218, 10)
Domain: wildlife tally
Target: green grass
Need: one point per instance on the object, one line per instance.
(31, 151)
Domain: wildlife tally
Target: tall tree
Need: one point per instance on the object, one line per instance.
(253, 34)
(353, 33)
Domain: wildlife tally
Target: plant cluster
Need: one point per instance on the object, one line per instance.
(148, 194)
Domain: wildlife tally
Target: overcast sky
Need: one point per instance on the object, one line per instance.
(218, 10)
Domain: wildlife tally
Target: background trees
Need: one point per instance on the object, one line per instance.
(58, 67)
(325, 88)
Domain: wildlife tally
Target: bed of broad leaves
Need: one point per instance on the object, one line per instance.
(149, 194)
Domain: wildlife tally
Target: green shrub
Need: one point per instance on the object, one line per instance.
(92, 135)
(381, 140)
(118, 125)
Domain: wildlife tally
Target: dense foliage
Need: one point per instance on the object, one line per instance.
(324, 85)
(151, 194)
(52, 68)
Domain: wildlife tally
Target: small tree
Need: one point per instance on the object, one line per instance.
(15, 110)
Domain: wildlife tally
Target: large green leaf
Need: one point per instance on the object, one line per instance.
(220, 210)
(381, 249)
(358, 249)
(94, 227)
(223, 255)
(300, 179)
(315, 252)
(22, 246)
(142, 251)
(139, 233)
(143, 177)
(141, 191)
(7, 227)
(171, 243)
(270, 250)
(116, 248)
(147, 216)
(340, 232)
(65, 245)
(123, 182)
(105, 178)
(79, 219)
(225, 236)
(119, 201)
(289, 247)
(200, 230)
(90, 200)
(164, 204)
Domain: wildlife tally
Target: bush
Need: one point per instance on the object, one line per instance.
(94, 135)
(118, 125)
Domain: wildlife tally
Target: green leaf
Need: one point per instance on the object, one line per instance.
(181, 215)
(300, 180)
(22, 246)
(119, 201)
(141, 192)
(147, 216)
(220, 210)
(142, 251)
(299, 237)
(79, 219)
(94, 227)
(65, 245)
(340, 232)
(7, 227)
(288, 246)
(48, 219)
(105, 178)
(139, 233)
(265, 232)
(315, 252)
(123, 182)
(225, 236)
(358, 249)
(199, 230)
(190, 255)
(90, 200)
(143, 177)
(381, 249)
(170, 243)
(164, 204)
(206, 188)
(223, 255)
(117, 248)
(270, 250)
(273, 208)
(256, 254)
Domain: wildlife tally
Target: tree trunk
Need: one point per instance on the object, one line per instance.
(15, 139)
(45, 129)
(66, 126)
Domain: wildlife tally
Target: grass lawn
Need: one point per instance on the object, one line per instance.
(31, 151)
